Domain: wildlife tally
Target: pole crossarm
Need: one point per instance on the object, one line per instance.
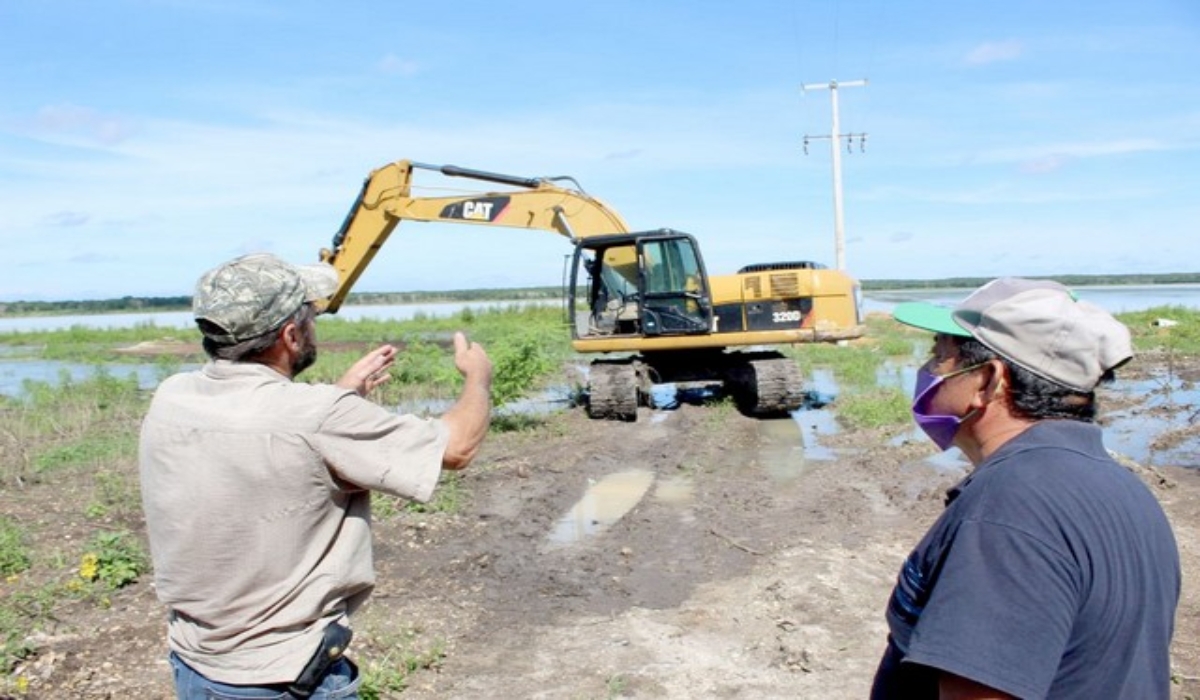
(835, 136)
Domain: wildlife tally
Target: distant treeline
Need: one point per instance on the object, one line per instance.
(182, 303)
(93, 306)
(1069, 280)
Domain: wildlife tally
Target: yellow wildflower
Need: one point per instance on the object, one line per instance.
(89, 568)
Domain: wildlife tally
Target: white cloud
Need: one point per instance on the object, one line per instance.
(394, 65)
(85, 122)
(1046, 164)
(995, 52)
(67, 218)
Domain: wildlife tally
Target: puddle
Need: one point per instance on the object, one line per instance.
(896, 375)
(668, 397)
(674, 490)
(813, 424)
(822, 382)
(1165, 404)
(780, 449)
(555, 398)
(545, 402)
(605, 502)
(952, 461)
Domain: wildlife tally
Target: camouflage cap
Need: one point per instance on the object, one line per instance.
(255, 294)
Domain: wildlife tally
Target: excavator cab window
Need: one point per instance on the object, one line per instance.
(613, 291)
(645, 284)
(674, 295)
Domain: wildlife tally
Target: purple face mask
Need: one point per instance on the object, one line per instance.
(941, 429)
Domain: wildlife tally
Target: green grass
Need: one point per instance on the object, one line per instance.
(525, 343)
(14, 550)
(874, 408)
(73, 424)
(447, 498)
(16, 613)
(860, 401)
(91, 345)
(1148, 336)
(388, 658)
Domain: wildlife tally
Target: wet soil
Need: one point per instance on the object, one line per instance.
(749, 567)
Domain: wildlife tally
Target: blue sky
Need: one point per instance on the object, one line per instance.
(144, 141)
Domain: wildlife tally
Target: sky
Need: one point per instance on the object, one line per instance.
(143, 142)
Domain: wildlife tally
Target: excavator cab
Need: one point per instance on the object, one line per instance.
(641, 284)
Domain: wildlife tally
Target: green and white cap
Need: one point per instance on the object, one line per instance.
(1039, 325)
(255, 294)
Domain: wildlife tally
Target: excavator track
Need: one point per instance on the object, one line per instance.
(613, 391)
(767, 387)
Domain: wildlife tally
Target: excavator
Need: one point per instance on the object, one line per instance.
(642, 300)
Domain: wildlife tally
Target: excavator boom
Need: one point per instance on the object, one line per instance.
(386, 200)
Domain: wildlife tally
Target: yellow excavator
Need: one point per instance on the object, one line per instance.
(643, 300)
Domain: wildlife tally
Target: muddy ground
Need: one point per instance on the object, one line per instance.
(748, 569)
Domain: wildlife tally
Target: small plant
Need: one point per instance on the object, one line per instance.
(21, 613)
(388, 676)
(114, 559)
(616, 685)
(13, 634)
(113, 493)
(447, 497)
(14, 554)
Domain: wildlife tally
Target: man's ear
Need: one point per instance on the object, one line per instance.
(291, 336)
(998, 381)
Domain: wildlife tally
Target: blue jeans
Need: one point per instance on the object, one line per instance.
(340, 682)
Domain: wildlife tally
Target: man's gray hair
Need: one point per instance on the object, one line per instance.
(249, 350)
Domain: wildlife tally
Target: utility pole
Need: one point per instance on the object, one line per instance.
(835, 138)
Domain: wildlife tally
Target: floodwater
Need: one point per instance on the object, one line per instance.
(14, 372)
(183, 319)
(1142, 431)
(1114, 298)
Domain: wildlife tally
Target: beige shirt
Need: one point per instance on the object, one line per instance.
(254, 489)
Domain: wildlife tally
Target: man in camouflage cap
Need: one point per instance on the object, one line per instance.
(256, 486)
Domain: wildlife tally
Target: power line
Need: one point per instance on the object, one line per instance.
(835, 138)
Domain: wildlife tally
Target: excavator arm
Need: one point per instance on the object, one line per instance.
(645, 295)
(386, 200)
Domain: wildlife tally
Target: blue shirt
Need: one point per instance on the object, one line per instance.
(1053, 572)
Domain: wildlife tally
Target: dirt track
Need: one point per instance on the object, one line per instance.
(745, 571)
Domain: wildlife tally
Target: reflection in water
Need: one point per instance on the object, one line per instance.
(603, 504)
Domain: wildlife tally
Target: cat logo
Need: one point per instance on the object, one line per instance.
(479, 211)
(486, 209)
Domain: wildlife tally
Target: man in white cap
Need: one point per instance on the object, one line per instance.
(256, 488)
(1053, 571)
